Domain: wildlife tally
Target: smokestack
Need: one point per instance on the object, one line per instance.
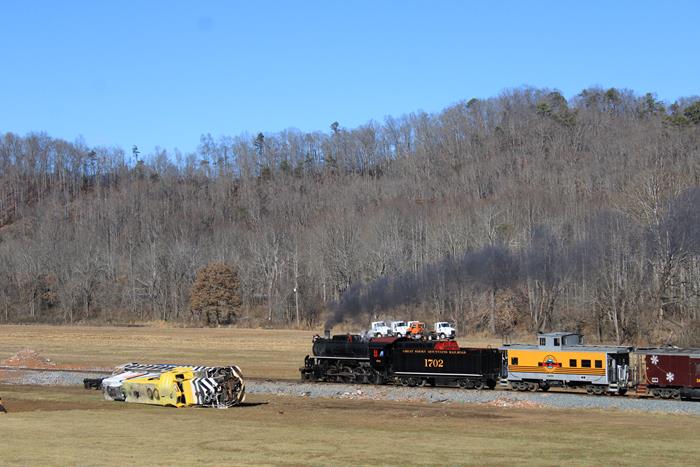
(327, 333)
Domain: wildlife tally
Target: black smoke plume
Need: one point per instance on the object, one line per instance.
(547, 258)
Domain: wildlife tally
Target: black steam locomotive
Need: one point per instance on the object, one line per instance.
(355, 359)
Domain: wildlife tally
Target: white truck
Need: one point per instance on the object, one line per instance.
(399, 328)
(380, 329)
(445, 330)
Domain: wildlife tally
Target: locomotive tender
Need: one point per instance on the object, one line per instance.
(559, 359)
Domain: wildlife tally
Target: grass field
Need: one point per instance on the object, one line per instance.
(74, 426)
(261, 353)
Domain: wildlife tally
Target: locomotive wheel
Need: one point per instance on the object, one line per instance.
(403, 381)
(589, 389)
(532, 387)
(655, 393)
(491, 384)
(544, 386)
(622, 391)
(149, 393)
(156, 395)
(598, 390)
(423, 382)
(361, 375)
(466, 384)
(676, 394)
(347, 376)
(412, 382)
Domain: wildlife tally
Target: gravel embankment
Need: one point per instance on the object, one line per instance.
(47, 377)
(496, 398)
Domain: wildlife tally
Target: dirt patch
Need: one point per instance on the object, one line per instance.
(28, 358)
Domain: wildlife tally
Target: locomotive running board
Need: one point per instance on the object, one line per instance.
(366, 359)
(434, 374)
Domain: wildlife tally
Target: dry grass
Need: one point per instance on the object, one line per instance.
(261, 353)
(73, 426)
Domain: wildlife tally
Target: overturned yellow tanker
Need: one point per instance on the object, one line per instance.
(176, 385)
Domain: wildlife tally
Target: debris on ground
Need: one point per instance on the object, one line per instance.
(28, 358)
(509, 403)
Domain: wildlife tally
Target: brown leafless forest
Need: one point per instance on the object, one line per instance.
(521, 212)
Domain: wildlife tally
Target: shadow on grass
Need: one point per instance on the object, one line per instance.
(251, 404)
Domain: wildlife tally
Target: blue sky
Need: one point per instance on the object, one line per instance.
(163, 73)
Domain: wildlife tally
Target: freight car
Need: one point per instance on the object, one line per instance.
(353, 359)
(671, 373)
(561, 359)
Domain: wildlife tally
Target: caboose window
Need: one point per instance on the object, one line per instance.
(556, 341)
(572, 363)
(543, 341)
(599, 364)
(514, 361)
(586, 363)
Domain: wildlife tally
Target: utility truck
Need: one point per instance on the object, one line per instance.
(399, 328)
(380, 329)
(445, 329)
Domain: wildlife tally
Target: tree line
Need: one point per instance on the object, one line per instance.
(103, 234)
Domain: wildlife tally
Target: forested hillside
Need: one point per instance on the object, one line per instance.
(516, 213)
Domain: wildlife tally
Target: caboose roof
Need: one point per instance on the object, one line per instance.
(690, 352)
(557, 334)
(569, 348)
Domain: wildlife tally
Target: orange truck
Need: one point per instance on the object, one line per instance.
(416, 329)
(443, 330)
